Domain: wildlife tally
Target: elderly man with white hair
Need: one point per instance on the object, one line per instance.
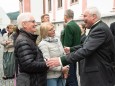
(32, 67)
(97, 53)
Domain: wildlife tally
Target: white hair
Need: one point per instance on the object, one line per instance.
(23, 17)
(94, 10)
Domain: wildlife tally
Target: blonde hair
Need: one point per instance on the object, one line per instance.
(44, 29)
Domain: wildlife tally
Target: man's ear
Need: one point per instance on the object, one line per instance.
(94, 16)
(23, 24)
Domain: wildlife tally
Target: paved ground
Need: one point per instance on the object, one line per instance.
(9, 82)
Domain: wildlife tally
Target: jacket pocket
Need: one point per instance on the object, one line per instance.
(92, 69)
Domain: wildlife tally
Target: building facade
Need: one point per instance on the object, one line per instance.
(56, 8)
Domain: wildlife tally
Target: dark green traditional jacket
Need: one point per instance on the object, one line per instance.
(71, 35)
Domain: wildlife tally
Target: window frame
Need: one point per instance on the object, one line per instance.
(59, 3)
(74, 1)
(49, 5)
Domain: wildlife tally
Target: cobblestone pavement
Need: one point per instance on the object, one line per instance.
(9, 82)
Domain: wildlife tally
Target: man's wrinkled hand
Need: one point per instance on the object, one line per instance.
(65, 71)
(67, 50)
(53, 62)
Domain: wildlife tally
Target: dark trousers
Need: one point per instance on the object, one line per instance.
(23, 79)
(72, 77)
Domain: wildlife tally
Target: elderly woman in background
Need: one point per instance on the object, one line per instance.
(83, 32)
(8, 55)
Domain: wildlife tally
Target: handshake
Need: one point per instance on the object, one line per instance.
(65, 71)
(56, 61)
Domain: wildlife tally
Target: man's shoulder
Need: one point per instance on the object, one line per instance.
(22, 39)
(71, 22)
(73, 26)
(112, 24)
(43, 42)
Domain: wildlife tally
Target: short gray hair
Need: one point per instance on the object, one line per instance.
(23, 17)
(69, 13)
(94, 10)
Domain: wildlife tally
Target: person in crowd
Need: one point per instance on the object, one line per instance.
(45, 18)
(15, 35)
(83, 31)
(97, 51)
(32, 67)
(112, 28)
(62, 32)
(71, 37)
(51, 47)
(2, 31)
(8, 55)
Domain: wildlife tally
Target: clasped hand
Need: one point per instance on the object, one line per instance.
(56, 61)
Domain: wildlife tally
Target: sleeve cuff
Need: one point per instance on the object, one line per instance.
(64, 61)
(71, 49)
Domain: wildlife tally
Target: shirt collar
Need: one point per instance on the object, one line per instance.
(51, 39)
(95, 23)
(69, 21)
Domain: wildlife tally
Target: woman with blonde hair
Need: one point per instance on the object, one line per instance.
(51, 47)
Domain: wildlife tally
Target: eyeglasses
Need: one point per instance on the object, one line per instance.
(33, 21)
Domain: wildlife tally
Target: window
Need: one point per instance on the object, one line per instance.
(49, 5)
(73, 1)
(59, 3)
